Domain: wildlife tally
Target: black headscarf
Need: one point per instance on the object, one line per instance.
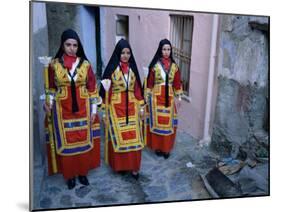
(114, 63)
(158, 55)
(71, 34)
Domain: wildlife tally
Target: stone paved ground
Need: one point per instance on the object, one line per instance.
(160, 180)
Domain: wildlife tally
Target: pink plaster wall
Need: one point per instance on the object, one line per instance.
(146, 29)
(193, 112)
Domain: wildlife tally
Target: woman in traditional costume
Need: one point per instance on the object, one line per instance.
(125, 99)
(74, 99)
(164, 91)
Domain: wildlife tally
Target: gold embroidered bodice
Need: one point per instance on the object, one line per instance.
(119, 83)
(159, 78)
(62, 77)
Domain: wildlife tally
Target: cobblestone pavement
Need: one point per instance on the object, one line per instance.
(160, 180)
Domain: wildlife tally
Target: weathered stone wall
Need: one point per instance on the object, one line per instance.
(81, 18)
(60, 17)
(241, 121)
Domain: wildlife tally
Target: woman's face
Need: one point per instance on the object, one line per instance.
(166, 50)
(70, 47)
(125, 55)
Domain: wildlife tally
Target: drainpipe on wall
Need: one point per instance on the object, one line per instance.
(212, 61)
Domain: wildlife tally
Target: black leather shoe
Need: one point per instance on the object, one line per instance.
(158, 153)
(166, 155)
(122, 172)
(83, 180)
(135, 176)
(71, 183)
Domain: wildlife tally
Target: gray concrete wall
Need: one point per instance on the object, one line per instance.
(88, 34)
(39, 47)
(241, 113)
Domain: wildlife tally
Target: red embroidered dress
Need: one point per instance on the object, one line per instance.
(125, 145)
(77, 140)
(162, 119)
